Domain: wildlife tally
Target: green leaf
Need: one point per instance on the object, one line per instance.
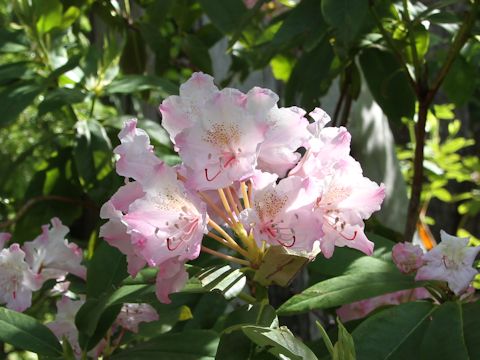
(394, 333)
(457, 84)
(344, 348)
(226, 15)
(57, 98)
(106, 270)
(234, 344)
(92, 151)
(14, 71)
(198, 53)
(282, 342)
(444, 338)
(346, 17)
(388, 83)
(50, 15)
(14, 99)
(134, 83)
(310, 78)
(346, 289)
(471, 330)
(25, 332)
(186, 345)
(229, 282)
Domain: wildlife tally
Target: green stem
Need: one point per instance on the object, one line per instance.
(247, 298)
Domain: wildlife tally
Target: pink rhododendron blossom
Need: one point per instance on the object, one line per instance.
(131, 315)
(137, 160)
(407, 257)
(167, 222)
(222, 145)
(344, 199)
(171, 278)
(450, 261)
(64, 324)
(115, 231)
(181, 112)
(51, 256)
(17, 281)
(283, 214)
(360, 309)
(287, 132)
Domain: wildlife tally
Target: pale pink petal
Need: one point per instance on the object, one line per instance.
(131, 315)
(137, 159)
(171, 278)
(407, 257)
(4, 238)
(51, 256)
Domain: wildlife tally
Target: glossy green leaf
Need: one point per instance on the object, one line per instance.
(133, 83)
(457, 84)
(106, 270)
(346, 17)
(234, 344)
(344, 348)
(229, 282)
(185, 345)
(395, 333)
(57, 98)
(444, 338)
(226, 15)
(15, 98)
(50, 15)
(345, 289)
(25, 332)
(281, 342)
(198, 53)
(388, 83)
(14, 71)
(471, 330)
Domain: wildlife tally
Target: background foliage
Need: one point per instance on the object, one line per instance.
(72, 71)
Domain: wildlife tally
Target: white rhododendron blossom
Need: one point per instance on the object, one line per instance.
(450, 261)
(25, 269)
(17, 280)
(253, 176)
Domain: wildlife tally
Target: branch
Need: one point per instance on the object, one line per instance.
(30, 203)
(460, 40)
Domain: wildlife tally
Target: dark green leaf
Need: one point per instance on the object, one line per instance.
(226, 15)
(186, 345)
(345, 289)
(444, 339)
(394, 333)
(134, 83)
(234, 344)
(198, 53)
(57, 98)
(458, 84)
(14, 71)
(388, 83)
(25, 332)
(281, 341)
(14, 99)
(310, 78)
(471, 330)
(346, 17)
(106, 270)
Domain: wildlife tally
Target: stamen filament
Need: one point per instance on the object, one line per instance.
(225, 203)
(215, 208)
(249, 192)
(236, 197)
(246, 200)
(224, 256)
(232, 201)
(222, 232)
(228, 244)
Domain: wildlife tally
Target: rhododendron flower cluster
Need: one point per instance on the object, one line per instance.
(252, 176)
(450, 261)
(24, 269)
